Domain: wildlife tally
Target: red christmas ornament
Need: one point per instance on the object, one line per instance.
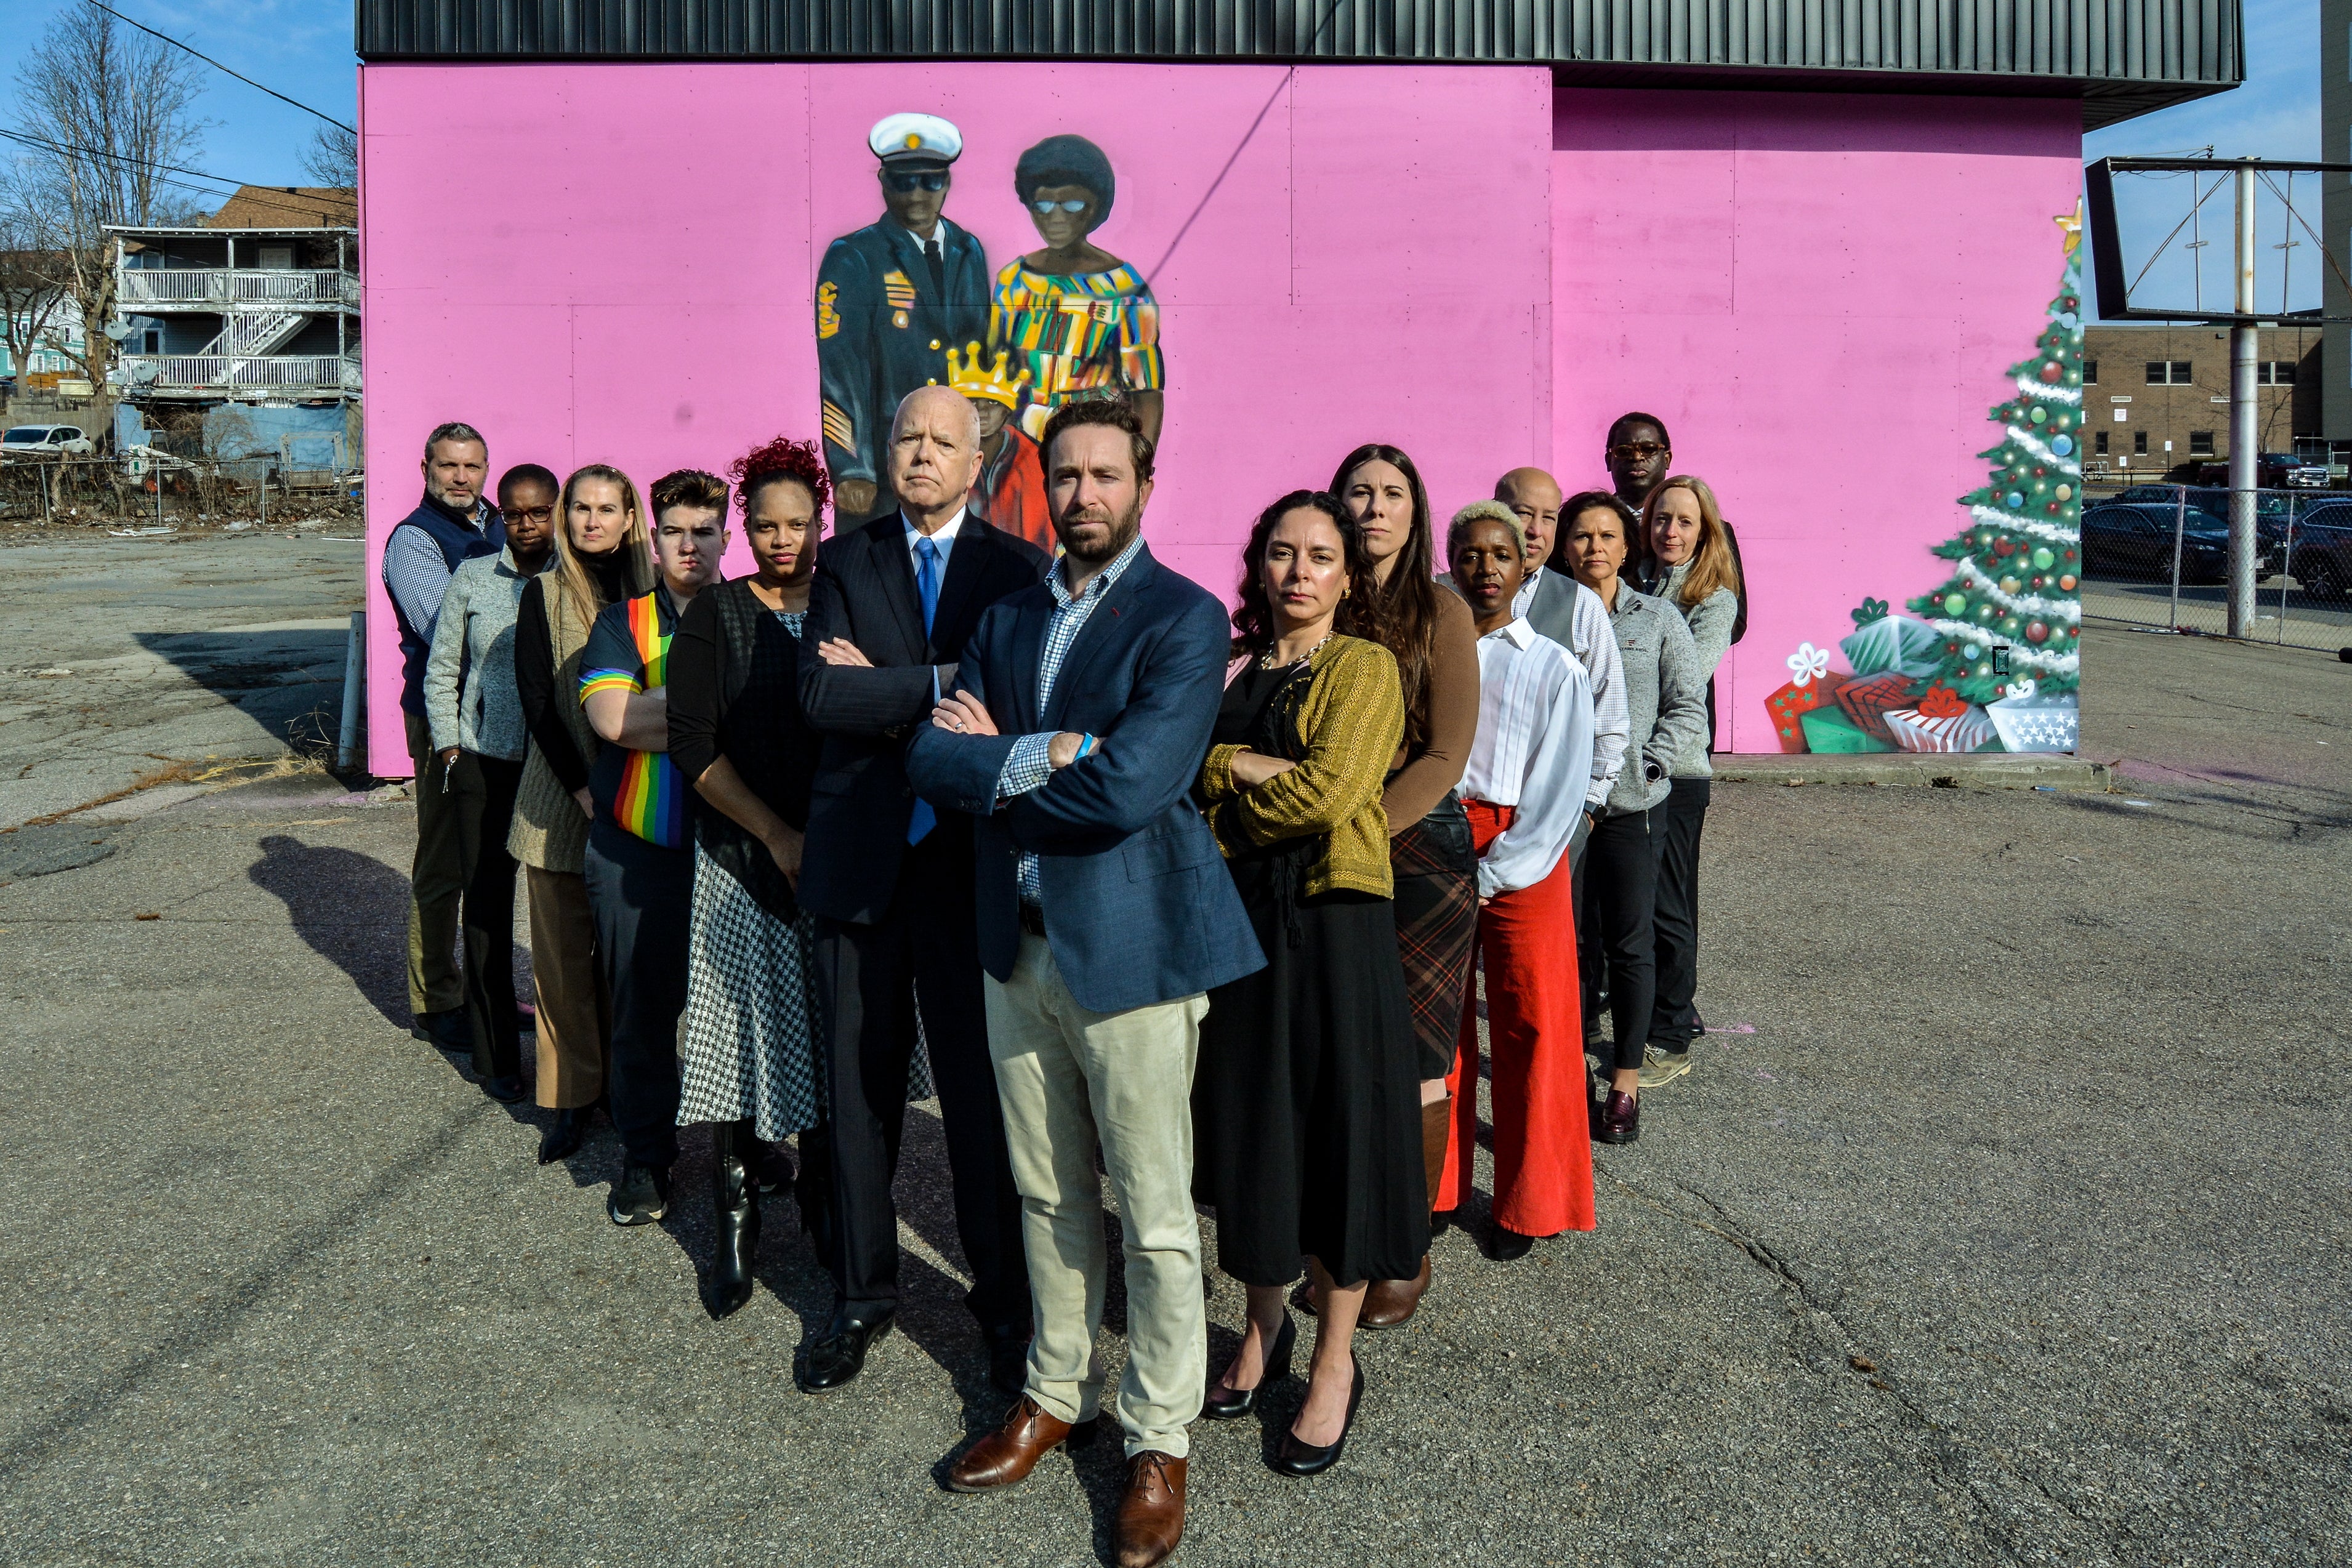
(2051, 371)
(2036, 633)
(2003, 547)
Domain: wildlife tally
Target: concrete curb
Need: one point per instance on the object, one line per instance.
(1981, 770)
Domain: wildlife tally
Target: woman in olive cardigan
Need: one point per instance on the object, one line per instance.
(1307, 1096)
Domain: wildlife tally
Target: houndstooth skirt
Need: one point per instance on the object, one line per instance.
(750, 1047)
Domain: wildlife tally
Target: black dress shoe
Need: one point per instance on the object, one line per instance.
(640, 1196)
(1224, 1404)
(564, 1134)
(735, 1220)
(1293, 1457)
(1618, 1119)
(1008, 1360)
(447, 1028)
(836, 1358)
(506, 1088)
(1508, 1245)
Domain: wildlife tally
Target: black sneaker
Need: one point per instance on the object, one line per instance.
(640, 1197)
(447, 1028)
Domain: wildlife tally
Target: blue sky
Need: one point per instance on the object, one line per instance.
(303, 48)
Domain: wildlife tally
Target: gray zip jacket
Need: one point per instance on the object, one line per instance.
(1710, 622)
(1665, 698)
(470, 698)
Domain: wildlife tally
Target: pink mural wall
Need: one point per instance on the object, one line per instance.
(616, 262)
(1818, 293)
(1821, 295)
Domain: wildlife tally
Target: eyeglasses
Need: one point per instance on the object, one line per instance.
(527, 514)
(1045, 209)
(907, 183)
(1635, 451)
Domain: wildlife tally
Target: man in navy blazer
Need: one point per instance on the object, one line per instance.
(1080, 714)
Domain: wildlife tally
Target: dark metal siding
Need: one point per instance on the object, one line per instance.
(2126, 56)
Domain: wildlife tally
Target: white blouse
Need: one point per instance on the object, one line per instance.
(1533, 752)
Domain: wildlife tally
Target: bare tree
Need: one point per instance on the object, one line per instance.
(117, 106)
(333, 157)
(32, 306)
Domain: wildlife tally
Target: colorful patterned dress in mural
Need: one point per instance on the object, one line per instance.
(1093, 334)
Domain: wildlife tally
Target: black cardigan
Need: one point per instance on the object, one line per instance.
(734, 691)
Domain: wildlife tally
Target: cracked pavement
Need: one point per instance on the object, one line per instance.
(2014, 1234)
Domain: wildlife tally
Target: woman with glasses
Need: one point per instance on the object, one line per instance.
(602, 556)
(1081, 321)
(1616, 880)
(1689, 566)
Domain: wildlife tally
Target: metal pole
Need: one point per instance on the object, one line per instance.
(156, 469)
(2286, 554)
(2243, 466)
(347, 742)
(2179, 522)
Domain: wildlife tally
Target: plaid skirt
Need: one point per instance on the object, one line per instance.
(1437, 928)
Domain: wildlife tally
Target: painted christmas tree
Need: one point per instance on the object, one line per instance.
(2010, 613)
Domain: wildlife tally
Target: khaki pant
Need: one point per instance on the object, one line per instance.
(575, 1014)
(1070, 1079)
(436, 878)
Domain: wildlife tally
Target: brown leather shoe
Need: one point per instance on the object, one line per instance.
(1388, 1302)
(1152, 1513)
(1006, 1456)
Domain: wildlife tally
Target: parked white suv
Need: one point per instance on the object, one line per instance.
(45, 441)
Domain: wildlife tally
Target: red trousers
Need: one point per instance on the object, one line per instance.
(1543, 1153)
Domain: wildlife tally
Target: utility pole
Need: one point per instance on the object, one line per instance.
(2244, 465)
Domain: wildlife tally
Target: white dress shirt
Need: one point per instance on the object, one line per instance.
(1593, 639)
(1534, 746)
(941, 541)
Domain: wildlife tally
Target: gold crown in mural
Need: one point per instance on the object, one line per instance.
(965, 375)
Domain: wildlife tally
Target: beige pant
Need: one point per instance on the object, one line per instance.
(1069, 1079)
(575, 1017)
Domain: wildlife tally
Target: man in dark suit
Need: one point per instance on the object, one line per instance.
(1079, 718)
(889, 881)
(891, 299)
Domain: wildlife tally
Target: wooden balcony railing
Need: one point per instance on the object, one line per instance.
(314, 374)
(220, 288)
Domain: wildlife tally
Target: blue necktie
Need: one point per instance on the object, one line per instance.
(927, 584)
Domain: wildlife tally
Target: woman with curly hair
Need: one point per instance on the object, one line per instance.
(1307, 1093)
(736, 732)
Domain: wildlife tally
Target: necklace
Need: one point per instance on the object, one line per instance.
(1265, 660)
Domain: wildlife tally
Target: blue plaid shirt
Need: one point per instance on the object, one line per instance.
(1028, 767)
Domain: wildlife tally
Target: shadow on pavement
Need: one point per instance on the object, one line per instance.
(288, 682)
(344, 905)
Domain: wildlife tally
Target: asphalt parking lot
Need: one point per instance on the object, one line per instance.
(2014, 1232)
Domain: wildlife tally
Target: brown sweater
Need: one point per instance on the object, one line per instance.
(1450, 698)
(1348, 724)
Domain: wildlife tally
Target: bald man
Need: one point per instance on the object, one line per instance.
(1572, 615)
(890, 879)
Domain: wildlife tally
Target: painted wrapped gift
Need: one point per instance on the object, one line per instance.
(1811, 686)
(2028, 721)
(1944, 721)
(1828, 732)
(1891, 645)
(1867, 701)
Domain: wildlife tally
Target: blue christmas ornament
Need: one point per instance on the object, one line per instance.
(2061, 444)
(2016, 499)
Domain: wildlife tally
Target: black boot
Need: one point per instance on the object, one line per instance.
(736, 1216)
(813, 1191)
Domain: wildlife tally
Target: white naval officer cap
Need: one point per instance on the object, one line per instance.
(915, 139)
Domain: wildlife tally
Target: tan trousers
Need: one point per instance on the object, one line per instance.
(1070, 1079)
(575, 1015)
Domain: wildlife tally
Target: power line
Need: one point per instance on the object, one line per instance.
(258, 198)
(218, 67)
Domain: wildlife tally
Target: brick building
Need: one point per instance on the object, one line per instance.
(2157, 397)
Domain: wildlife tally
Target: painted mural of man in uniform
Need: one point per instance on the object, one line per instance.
(890, 299)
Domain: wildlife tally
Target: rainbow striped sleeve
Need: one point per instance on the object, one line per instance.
(595, 681)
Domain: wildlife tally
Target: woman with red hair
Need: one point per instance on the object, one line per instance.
(737, 733)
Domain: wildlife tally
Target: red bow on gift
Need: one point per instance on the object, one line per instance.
(1941, 702)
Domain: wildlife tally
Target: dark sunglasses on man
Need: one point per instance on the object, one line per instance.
(1635, 451)
(934, 179)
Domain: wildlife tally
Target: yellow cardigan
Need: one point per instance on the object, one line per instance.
(1349, 723)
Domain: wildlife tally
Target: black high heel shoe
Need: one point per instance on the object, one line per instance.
(1293, 1457)
(1232, 1405)
(737, 1221)
(564, 1135)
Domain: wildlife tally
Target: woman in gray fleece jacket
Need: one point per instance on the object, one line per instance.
(1690, 566)
(476, 716)
(1665, 701)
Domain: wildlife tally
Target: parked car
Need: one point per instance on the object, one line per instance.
(2271, 509)
(2134, 539)
(2321, 563)
(45, 441)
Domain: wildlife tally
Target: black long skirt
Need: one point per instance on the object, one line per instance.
(1306, 1099)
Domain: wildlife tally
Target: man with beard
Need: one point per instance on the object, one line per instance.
(1080, 714)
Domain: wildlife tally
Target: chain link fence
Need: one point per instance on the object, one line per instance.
(149, 489)
(2158, 555)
